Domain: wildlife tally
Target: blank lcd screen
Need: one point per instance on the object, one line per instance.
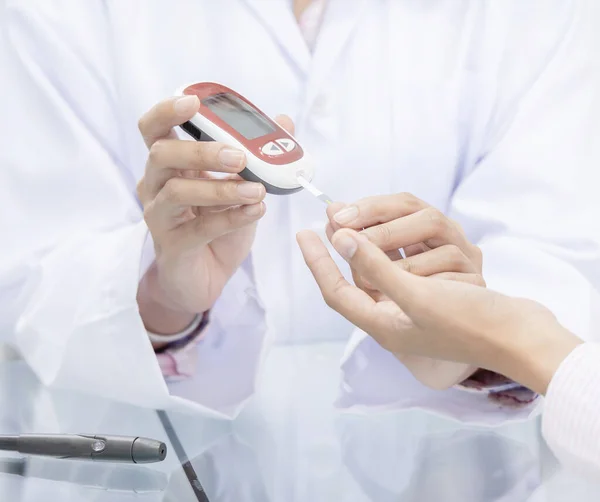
(237, 114)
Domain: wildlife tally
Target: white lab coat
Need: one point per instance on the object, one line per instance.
(485, 109)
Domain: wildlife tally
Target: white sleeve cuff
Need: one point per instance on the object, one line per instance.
(571, 420)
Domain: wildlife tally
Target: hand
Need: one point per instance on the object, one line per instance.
(449, 320)
(202, 226)
(435, 246)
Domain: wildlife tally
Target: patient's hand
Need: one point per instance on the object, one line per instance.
(434, 246)
(444, 320)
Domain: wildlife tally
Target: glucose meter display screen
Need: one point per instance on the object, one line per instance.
(237, 114)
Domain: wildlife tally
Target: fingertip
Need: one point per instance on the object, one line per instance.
(309, 237)
(346, 243)
(231, 159)
(261, 190)
(303, 236)
(311, 245)
(334, 208)
(255, 211)
(349, 232)
(186, 106)
(286, 123)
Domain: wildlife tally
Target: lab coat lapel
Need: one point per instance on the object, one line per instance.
(425, 94)
(341, 18)
(278, 19)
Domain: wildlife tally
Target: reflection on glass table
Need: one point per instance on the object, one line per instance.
(288, 445)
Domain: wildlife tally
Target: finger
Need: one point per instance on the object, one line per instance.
(428, 226)
(171, 157)
(329, 231)
(208, 193)
(447, 258)
(209, 227)
(332, 210)
(475, 279)
(179, 194)
(196, 156)
(286, 123)
(201, 229)
(394, 255)
(378, 209)
(215, 208)
(348, 300)
(363, 284)
(405, 289)
(159, 121)
(437, 261)
(414, 249)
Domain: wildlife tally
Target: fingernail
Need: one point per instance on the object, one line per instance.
(346, 215)
(253, 210)
(231, 158)
(186, 105)
(250, 190)
(346, 245)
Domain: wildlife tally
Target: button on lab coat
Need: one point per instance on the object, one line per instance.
(486, 110)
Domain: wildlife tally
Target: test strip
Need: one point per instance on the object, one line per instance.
(308, 186)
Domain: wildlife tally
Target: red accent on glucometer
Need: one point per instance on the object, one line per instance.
(277, 148)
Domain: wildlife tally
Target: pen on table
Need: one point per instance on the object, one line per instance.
(100, 448)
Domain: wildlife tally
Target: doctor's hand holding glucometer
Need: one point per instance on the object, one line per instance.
(203, 224)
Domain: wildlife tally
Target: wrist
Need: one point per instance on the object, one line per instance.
(159, 314)
(532, 359)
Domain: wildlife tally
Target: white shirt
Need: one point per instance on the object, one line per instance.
(571, 419)
(442, 101)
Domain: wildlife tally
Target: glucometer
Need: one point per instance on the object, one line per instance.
(274, 157)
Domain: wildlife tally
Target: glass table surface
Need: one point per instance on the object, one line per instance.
(289, 444)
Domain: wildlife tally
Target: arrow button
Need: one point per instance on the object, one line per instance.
(287, 144)
(272, 149)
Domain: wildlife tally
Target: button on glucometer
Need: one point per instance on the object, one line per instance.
(287, 144)
(272, 149)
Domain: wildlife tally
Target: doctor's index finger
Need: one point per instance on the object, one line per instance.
(159, 121)
(404, 288)
(348, 300)
(287, 123)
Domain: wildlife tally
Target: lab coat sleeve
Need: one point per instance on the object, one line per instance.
(526, 195)
(571, 419)
(74, 240)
